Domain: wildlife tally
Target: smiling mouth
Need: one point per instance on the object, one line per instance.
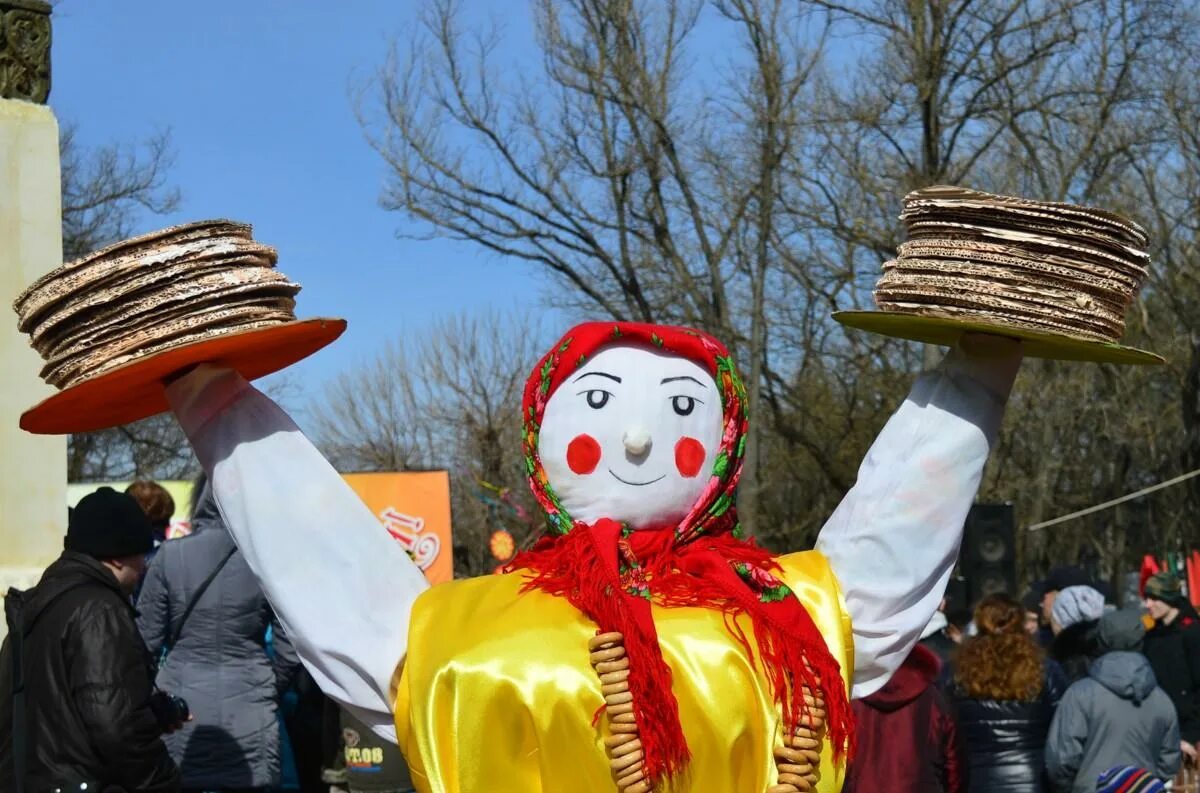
(635, 484)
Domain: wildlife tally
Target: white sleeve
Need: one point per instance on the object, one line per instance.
(341, 586)
(894, 539)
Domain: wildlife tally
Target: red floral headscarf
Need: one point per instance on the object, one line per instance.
(704, 560)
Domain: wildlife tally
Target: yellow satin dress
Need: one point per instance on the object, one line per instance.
(497, 694)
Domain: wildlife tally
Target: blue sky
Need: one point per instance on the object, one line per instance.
(257, 98)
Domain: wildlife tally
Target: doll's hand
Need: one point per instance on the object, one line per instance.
(992, 360)
(987, 345)
(202, 392)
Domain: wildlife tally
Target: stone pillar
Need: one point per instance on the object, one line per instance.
(33, 483)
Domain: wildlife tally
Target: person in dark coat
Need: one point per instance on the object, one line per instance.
(908, 740)
(1173, 648)
(1005, 693)
(1058, 579)
(91, 715)
(1074, 618)
(1036, 624)
(1116, 716)
(311, 720)
(1031, 601)
(941, 635)
(219, 662)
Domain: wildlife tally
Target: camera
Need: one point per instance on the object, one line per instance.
(170, 711)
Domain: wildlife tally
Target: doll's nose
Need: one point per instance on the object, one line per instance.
(637, 441)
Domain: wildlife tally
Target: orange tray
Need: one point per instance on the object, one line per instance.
(135, 391)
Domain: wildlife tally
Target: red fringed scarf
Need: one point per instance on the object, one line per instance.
(612, 573)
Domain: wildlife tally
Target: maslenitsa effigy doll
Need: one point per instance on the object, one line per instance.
(643, 643)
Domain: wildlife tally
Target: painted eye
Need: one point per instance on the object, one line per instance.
(598, 398)
(684, 405)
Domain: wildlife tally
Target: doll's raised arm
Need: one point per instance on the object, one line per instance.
(340, 585)
(894, 539)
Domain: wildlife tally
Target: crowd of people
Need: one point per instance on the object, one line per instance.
(162, 664)
(1061, 691)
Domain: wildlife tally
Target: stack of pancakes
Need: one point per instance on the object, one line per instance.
(143, 295)
(1050, 267)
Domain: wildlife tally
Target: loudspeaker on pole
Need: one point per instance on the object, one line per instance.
(988, 562)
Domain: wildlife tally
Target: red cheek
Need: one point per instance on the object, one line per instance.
(583, 454)
(689, 456)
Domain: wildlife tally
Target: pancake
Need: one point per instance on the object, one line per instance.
(152, 293)
(1044, 266)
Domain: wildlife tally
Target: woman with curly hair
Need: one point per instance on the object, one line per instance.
(1006, 692)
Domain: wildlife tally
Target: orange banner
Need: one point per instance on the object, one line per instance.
(414, 507)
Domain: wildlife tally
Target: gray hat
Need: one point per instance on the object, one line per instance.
(1121, 630)
(1077, 604)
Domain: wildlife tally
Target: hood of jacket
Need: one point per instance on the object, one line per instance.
(916, 674)
(1126, 674)
(70, 570)
(205, 515)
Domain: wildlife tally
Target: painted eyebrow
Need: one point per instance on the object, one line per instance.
(677, 379)
(597, 374)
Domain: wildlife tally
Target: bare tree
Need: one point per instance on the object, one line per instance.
(1107, 432)
(752, 191)
(646, 200)
(1057, 100)
(448, 398)
(376, 417)
(105, 191)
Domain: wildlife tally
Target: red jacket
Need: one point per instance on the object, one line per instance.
(908, 741)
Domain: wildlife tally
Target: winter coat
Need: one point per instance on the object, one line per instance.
(1174, 654)
(941, 645)
(1006, 740)
(1074, 648)
(908, 740)
(1116, 716)
(220, 663)
(88, 682)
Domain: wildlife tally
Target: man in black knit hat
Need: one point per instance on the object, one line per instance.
(77, 702)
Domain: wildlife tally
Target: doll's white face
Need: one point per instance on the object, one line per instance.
(631, 436)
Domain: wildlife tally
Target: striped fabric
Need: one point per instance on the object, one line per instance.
(1128, 780)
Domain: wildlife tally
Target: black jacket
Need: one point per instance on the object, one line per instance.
(1074, 648)
(942, 646)
(88, 685)
(1174, 654)
(1006, 741)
